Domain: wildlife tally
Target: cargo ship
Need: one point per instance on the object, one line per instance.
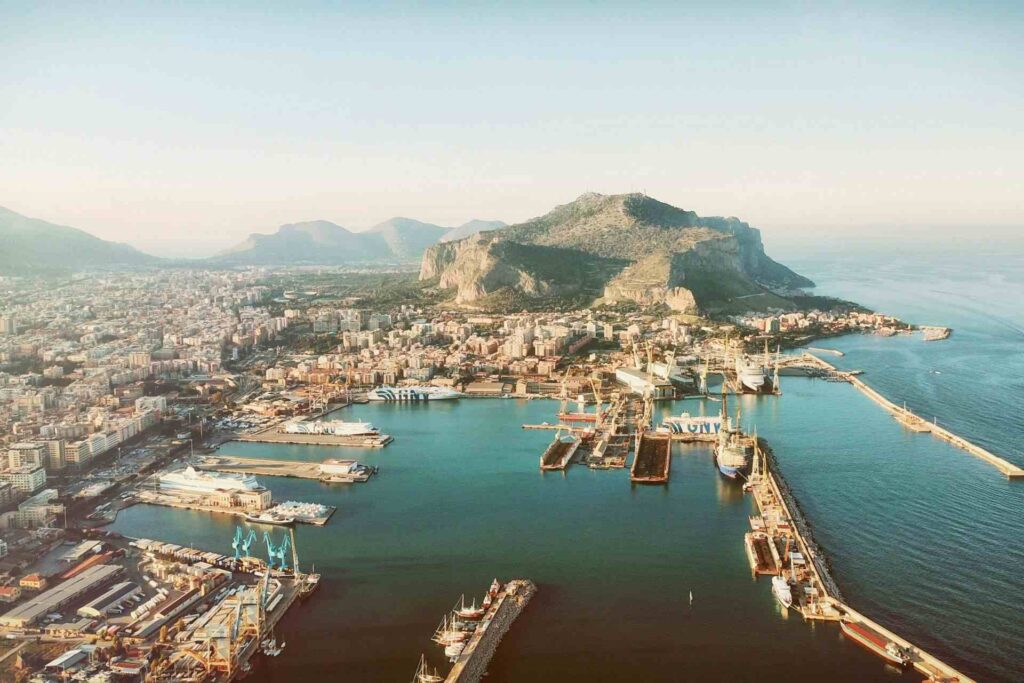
(875, 642)
(412, 394)
(332, 427)
(733, 450)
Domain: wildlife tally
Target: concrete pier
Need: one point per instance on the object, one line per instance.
(272, 436)
(471, 666)
(817, 596)
(908, 419)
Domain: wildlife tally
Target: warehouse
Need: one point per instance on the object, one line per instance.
(56, 598)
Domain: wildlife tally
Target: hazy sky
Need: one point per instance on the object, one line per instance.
(182, 129)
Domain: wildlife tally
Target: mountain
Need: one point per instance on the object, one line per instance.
(626, 247)
(471, 228)
(324, 243)
(406, 237)
(30, 245)
(312, 242)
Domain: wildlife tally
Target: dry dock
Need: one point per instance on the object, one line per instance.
(560, 452)
(917, 424)
(471, 665)
(653, 459)
(816, 595)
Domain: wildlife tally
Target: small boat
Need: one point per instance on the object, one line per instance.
(782, 590)
(471, 612)
(446, 635)
(453, 650)
(691, 597)
(424, 674)
(494, 589)
(876, 642)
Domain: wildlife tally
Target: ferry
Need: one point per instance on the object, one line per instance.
(332, 428)
(754, 377)
(876, 642)
(411, 394)
(692, 424)
(335, 471)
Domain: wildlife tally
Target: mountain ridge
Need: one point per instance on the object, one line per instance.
(35, 245)
(616, 247)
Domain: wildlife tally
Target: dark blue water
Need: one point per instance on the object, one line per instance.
(922, 536)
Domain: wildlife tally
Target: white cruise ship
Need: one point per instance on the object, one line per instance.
(332, 427)
(191, 480)
(419, 393)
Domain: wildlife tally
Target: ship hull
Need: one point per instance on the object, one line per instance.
(871, 642)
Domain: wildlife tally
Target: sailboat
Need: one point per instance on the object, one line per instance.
(446, 634)
(424, 674)
(691, 597)
(472, 612)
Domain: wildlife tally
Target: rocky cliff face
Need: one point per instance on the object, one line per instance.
(619, 247)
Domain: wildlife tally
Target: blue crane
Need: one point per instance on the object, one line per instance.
(276, 553)
(242, 543)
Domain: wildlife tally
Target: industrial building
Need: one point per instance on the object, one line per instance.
(118, 594)
(642, 383)
(56, 598)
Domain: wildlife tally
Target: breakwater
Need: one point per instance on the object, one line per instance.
(472, 666)
(917, 424)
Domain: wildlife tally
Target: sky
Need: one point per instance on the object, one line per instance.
(183, 128)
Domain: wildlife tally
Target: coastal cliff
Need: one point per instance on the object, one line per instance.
(616, 248)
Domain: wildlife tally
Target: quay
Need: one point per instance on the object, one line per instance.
(815, 594)
(653, 458)
(171, 501)
(917, 424)
(272, 436)
(471, 665)
(260, 466)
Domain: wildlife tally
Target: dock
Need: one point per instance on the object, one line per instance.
(653, 458)
(272, 435)
(916, 423)
(196, 504)
(260, 466)
(815, 594)
(471, 665)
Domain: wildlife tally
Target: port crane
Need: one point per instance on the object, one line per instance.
(276, 553)
(242, 543)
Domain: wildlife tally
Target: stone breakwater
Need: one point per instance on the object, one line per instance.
(471, 667)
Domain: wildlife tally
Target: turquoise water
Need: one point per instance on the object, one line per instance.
(922, 536)
(460, 499)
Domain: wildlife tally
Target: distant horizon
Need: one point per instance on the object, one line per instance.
(777, 237)
(186, 128)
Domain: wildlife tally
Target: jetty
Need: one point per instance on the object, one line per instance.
(260, 466)
(360, 441)
(916, 423)
(815, 593)
(471, 665)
